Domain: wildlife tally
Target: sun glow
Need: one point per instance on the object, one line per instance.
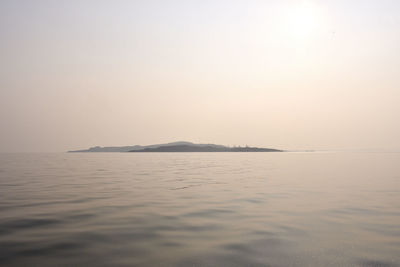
(302, 20)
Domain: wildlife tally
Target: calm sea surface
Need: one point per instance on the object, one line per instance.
(200, 209)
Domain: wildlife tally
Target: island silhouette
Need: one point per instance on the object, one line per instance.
(206, 148)
(181, 146)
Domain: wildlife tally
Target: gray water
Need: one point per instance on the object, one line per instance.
(200, 209)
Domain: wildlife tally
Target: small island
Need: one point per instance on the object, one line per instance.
(181, 146)
(206, 148)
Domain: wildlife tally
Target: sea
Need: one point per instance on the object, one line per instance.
(200, 209)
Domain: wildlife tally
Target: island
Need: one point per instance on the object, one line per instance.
(206, 148)
(181, 146)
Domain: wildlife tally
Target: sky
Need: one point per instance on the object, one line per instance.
(282, 74)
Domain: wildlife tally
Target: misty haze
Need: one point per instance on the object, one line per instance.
(199, 133)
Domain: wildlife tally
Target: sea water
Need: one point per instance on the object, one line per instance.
(200, 209)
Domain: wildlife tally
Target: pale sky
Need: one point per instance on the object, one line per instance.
(282, 74)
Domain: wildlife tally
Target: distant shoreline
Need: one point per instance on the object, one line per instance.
(181, 146)
(192, 148)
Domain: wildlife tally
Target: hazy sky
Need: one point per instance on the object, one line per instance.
(284, 74)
